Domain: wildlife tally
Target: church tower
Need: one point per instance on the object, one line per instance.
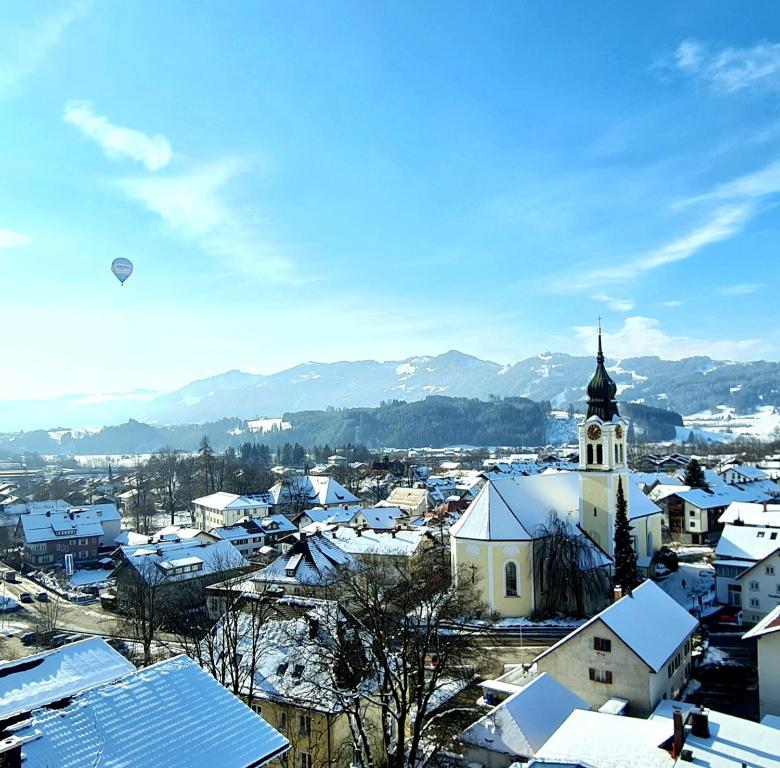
(602, 442)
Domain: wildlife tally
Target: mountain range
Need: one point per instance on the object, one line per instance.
(688, 386)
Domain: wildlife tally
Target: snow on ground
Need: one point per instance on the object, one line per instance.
(717, 657)
(693, 587)
(760, 424)
(83, 577)
(524, 621)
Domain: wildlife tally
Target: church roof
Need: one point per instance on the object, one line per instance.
(514, 508)
(602, 390)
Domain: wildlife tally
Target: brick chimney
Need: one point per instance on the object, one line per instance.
(700, 723)
(678, 739)
(617, 593)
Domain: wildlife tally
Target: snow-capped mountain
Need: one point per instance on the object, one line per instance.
(688, 386)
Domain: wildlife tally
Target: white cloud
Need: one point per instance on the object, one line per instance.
(729, 70)
(10, 239)
(23, 50)
(741, 289)
(640, 336)
(619, 305)
(117, 141)
(751, 186)
(195, 208)
(673, 303)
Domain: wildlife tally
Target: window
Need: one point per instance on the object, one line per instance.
(760, 535)
(770, 570)
(754, 586)
(755, 602)
(590, 454)
(735, 594)
(600, 675)
(599, 454)
(281, 669)
(692, 513)
(297, 670)
(687, 646)
(304, 760)
(616, 454)
(83, 555)
(602, 644)
(510, 579)
(281, 722)
(773, 535)
(257, 709)
(304, 725)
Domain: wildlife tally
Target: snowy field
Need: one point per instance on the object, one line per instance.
(762, 424)
(693, 587)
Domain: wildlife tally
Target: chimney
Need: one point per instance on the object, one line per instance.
(359, 531)
(617, 593)
(678, 739)
(392, 532)
(765, 503)
(700, 723)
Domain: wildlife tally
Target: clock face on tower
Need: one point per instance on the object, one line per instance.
(594, 431)
(618, 431)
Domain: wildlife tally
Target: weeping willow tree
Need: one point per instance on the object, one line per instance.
(571, 574)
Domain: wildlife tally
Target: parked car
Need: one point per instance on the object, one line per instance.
(11, 576)
(25, 597)
(42, 597)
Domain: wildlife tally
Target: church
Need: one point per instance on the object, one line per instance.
(496, 535)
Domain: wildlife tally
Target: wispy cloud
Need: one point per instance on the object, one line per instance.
(741, 289)
(11, 239)
(619, 305)
(117, 141)
(673, 303)
(640, 336)
(750, 186)
(195, 207)
(729, 70)
(23, 50)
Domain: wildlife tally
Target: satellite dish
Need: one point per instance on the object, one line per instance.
(122, 269)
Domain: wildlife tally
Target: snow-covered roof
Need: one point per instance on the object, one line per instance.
(312, 561)
(721, 496)
(733, 742)
(57, 526)
(223, 500)
(401, 543)
(407, 497)
(255, 528)
(172, 714)
(382, 518)
(746, 471)
(37, 680)
(767, 626)
(338, 515)
(321, 490)
(652, 624)
(599, 740)
(752, 513)
(746, 542)
(521, 724)
(514, 508)
(205, 559)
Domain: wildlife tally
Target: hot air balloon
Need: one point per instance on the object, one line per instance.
(122, 269)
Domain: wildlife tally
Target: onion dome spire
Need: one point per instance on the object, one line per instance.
(602, 390)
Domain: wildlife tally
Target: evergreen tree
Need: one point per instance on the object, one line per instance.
(626, 575)
(694, 475)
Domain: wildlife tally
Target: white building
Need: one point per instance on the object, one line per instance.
(760, 587)
(767, 636)
(251, 537)
(221, 508)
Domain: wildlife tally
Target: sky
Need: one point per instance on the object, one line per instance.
(347, 180)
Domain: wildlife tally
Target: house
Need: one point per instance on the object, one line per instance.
(394, 547)
(752, 513)
(415, 502)
(170, 714)
(251, 537)
(177, 570)
(44, 678)
(739, 548)
(637, 649)
(497, 535)
(322, 516)
(170, 533)
(711, 738)
(742, 473)
(312, 567)
(296, 494)
(220, 509)
(287, 675)
(378, 518)
(760, 587)
(520, 725)
(49, 537)
(654, 462)
(767, 636)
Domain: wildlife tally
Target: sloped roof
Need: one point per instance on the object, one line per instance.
(403, 543)
(523, 722)
(382, 518)
(224, 500)
(172, 714)
(58, 526)
(752, 513)
(514, 508)
(37, 680)
(648, 621)
(256, 526)
(324, 491)
(768, 625)
(746, 542)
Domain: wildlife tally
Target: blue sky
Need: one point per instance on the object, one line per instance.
(325, 181)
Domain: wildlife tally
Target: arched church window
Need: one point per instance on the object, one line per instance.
(621, 452)
(590, 453)
(599, 454)
(510, 579)
(616, 454)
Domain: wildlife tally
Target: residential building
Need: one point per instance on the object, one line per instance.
(415, 502)
(637, 649)
(520, 725)
(742, 473)
(170, 714)
(312, 567)
(220, 509)
(379, 518)
(394, 547)
(495, 538)
(760, 587)
(321, 516)
(175, 570)
(740, 547)
(767, 638)
(301, 492)
(252, 537)
(47, 538)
